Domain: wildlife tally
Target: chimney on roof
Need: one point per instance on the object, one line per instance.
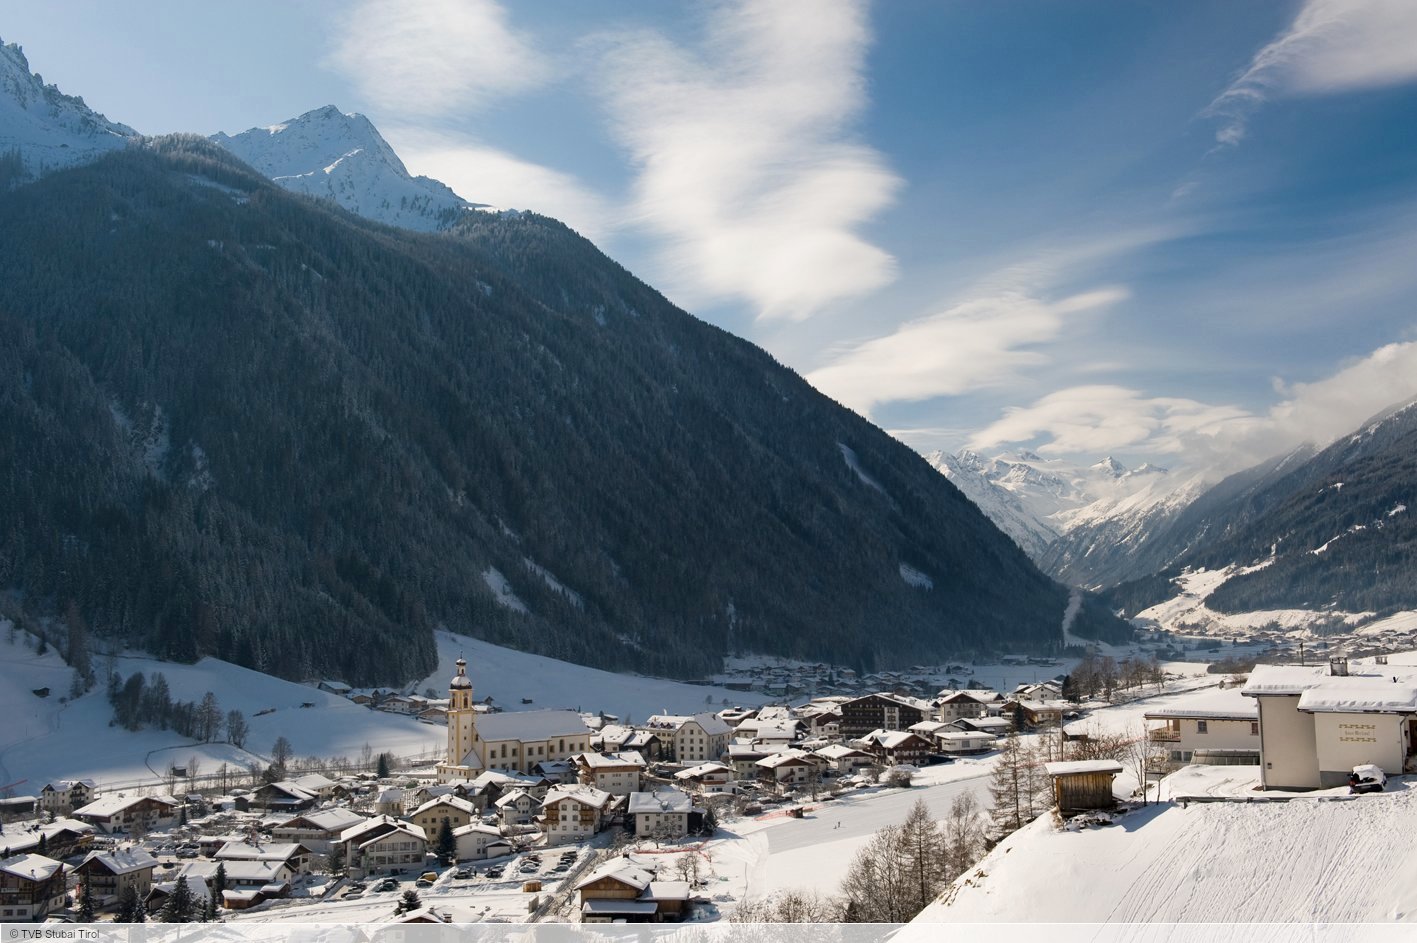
(1338, 667)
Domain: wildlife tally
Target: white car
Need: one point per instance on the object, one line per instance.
(1367, 778)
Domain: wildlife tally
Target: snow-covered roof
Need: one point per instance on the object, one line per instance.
(1226, 704)
(703, 769)
(516, 795)
(108, 806)
(1072, 767)
(314, 782)
(784, 758)
(711, 724)
(586, 795)
(30, 867)
(330, 820)
(122, 860)
(611, 760)
(622, 871)
(462, 805)
(477, 828)
(1360, 696)
(957, 736)
(1282, 679)
(530, 725)
(838, 751)
(669, 890)
(245, 851)
(662, 801)
(890, 739)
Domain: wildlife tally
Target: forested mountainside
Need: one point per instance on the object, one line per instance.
(237, 421)
(1332, 529)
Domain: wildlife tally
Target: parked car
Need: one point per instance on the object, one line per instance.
(387, 884)
(422, 882)
(462, 874)
(1367, 778)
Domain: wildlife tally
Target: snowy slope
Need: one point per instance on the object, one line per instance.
(1309, 859)
(43, 738)
(48, 129)
(341, 157)
(508, 676)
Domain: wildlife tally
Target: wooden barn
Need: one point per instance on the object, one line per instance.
(1081, 785)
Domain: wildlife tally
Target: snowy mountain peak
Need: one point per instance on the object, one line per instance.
(329, 154)
(1110, 466)
(45, 128)
(1146, 468)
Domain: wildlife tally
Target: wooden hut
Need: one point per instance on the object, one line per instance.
(1081, 785)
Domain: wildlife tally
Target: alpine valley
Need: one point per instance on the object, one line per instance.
(303, 424)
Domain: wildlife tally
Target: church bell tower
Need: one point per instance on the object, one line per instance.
(462, 732)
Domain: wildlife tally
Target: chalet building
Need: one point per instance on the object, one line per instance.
(955, 705)
(284, 796)
(317, 830)
(1081, 785)
(618, 892)
(574, 813)
(477, 841)
(614, 738)
(788, 769)
(391, 801)
(1216, 728)
(383, 845)
(134, 815)
(110, 873)
(844, 760)
(30, 887)
(663, 814)
(616, 773)
(516, 740)
(744, 757)
(63, 796)
(896, 747)
(997, 726)
(706, 778)
(294, 856)
(335, 687)
(1317, 723)
(432, 814)
(517, 807)
(1036, 715)
(964, 742)
(697, 738)
(860, 716)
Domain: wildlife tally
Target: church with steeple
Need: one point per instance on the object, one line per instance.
(514, 741)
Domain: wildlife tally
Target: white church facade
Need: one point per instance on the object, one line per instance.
(515, 741)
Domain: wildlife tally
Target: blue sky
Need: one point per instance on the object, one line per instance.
(1175, 232)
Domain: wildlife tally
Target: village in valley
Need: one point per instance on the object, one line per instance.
(765, 810)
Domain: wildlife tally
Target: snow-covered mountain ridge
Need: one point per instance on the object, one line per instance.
(1069, 517)
(42, 129)
(332, 155)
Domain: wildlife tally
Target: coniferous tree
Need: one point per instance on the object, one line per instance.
(130, 907)
(88, 910)
(446, 845)
(219, 880)
(180, 906)
(410, 901)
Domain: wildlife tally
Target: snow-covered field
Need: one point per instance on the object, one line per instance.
(511, 676)
(1323, 858)
(44, 738)
(1186, 612)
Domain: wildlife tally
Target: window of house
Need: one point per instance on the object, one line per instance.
(1254, 728)
(1202, 727)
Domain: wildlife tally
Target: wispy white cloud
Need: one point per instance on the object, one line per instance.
(747, 167)
(1332, 46)
(487, 175)
(1090, 420)
(434, 57)
(981, 343)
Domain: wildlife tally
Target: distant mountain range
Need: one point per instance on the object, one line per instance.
(245, 421)
(1081, 523)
